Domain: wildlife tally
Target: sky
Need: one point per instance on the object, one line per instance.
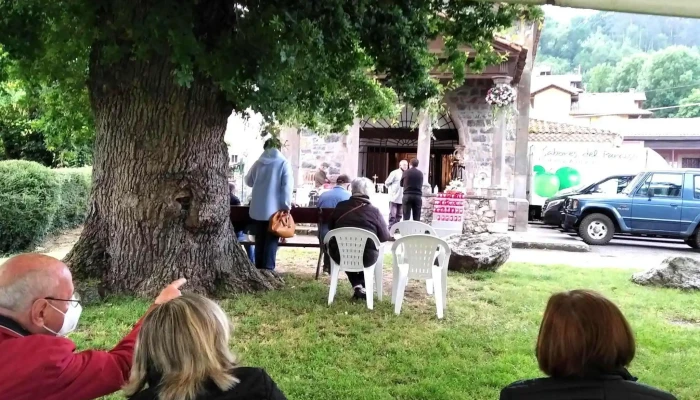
(564, 13)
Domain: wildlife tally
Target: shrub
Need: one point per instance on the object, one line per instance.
(29, 194)
(74, 193)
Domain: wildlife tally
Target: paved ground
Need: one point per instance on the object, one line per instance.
(622, 252)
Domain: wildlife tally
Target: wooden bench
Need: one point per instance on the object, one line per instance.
(302, 215)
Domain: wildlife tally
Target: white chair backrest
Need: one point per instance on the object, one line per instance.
(351, 246)
(419, 252)
(406, 228)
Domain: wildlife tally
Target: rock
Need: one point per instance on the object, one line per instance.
(674, 272)
(479, 252)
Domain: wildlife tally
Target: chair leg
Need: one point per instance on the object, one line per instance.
(394, 284)
(438, 293)
(400, 290)
(369, 286)
(379, 280)
(429, 286)
(320, 260)
(444, 288)
(335, 271)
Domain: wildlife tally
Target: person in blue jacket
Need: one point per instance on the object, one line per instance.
(330, 199)
(272, 183)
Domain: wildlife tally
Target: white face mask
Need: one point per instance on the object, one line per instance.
(70, 319)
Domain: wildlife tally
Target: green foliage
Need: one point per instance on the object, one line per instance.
(74, 194)
(317, 64)
(35, 200)
(599, 79)
(669, 76)
(48, 124)
(608, 37)
(599, 49)
(627, 72)
(691, 105)
(29, 194)
(559, 66)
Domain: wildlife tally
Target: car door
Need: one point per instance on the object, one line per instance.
(657, 204)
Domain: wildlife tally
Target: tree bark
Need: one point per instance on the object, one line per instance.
(159, 206)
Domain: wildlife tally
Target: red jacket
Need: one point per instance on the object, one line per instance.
(45, 367)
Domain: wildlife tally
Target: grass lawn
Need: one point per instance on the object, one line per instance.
(485, 341)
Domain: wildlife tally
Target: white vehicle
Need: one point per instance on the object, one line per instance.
(557, 167)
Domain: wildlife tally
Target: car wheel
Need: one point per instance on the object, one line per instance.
(596, 229)
(693, 241)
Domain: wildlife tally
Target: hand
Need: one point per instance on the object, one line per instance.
(171, 291)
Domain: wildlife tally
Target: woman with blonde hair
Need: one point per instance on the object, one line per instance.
(182, 353)
(585, 346)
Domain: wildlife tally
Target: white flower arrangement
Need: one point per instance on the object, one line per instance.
(501, 96)
(456, 186)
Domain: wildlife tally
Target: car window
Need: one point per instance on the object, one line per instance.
(633, 184)
(612, 185)
(662, 185)
(622, 183)
(697, 186)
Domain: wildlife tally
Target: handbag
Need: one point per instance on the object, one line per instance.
(282, 224)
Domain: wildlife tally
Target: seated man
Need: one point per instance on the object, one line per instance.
(330, 199)
(240, 230)
(38, 308)
(358, 212)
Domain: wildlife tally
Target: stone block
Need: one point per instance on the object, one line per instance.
(480, 252)
(674, 272)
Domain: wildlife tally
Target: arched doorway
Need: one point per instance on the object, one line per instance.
(384, 143)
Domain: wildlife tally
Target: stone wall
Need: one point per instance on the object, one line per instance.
(426, 213)
(468, 105)
(315, 150)
(479, 213)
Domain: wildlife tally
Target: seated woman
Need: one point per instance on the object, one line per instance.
(358, 212)
(585, 346)
(182, 353)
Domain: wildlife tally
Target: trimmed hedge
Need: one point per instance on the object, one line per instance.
(35, 200)
(74, 194)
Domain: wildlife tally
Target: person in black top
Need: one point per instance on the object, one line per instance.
(182, 353)
(239, 230)
(358, 212)
(412, 184)
(585, 346)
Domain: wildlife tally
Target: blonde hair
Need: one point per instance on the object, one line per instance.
(186, 342)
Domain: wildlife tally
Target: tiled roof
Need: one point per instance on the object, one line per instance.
(569, 89)
(663, 128)
(547, 131)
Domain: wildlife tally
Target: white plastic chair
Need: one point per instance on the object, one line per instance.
(351, 246)
(414, 228)
(416, 261)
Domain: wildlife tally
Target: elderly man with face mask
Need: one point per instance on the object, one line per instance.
(38, 308)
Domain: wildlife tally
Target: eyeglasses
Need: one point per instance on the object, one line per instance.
(74, 302)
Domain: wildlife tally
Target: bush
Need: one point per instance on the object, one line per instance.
(74, 193)
(29, 194)
(35, 200)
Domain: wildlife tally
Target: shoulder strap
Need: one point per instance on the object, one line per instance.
(348, 212)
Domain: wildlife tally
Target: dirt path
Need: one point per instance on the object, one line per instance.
(57, 246)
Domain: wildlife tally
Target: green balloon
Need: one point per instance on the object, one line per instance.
(539, 169)
(546, 185)
(568, 177)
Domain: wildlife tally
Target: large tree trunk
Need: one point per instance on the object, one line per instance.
(159, 207)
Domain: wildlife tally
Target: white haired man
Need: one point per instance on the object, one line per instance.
(393, 183)
(38, 308)
(358, 212)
